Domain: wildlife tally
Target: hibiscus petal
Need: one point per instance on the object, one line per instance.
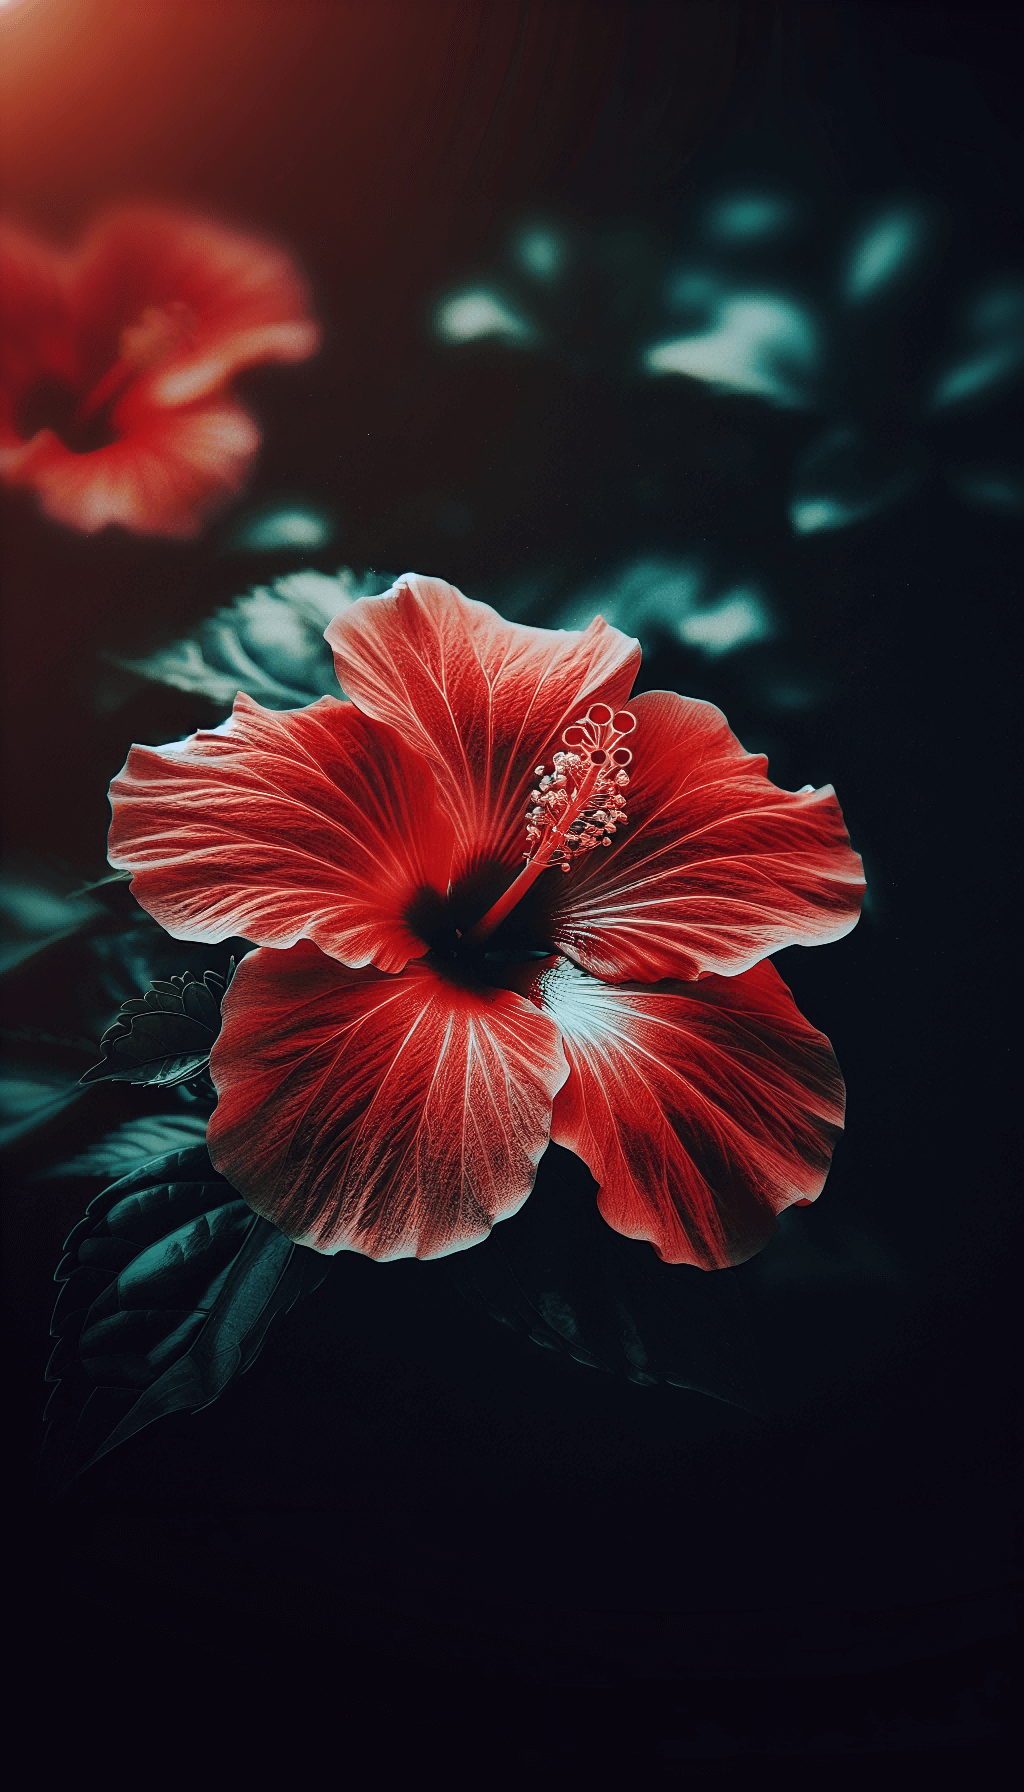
(483, 700)
(716, 868)
(138, 331)
(702, 1109)
(36, 341)
(244, 299)
(397, 1116)
(285, 825)
(165, 476)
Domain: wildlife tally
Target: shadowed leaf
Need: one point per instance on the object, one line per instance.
(31, 1094)
(131, 1144)
(557, 1274)
(164, 1037)
(845, 476)
(169, 1284)
(35, 914)
(268, 643)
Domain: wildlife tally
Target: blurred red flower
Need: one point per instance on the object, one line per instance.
(436, 1010)
(116, 360)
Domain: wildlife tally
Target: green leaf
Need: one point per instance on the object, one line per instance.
(164, 1037)
(169, 1284)
(133, 1143)
(34, 915)
(30, 1095)
(559, 1275)
(268, 643)
(100, 883)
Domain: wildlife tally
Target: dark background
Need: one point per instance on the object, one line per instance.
(400, 1514)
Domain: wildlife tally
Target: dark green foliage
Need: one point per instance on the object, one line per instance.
(169, 1284)
(31, 1093)
(559, 1275)
(166, 1036)
(132, 1143)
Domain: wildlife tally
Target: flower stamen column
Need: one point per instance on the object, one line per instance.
(576, 807)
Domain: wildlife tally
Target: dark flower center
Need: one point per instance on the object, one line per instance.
(492, 921)
(82, 420)
(577, 806)
(444, 924)
(53, 403)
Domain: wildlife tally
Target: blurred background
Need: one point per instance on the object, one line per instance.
(708, 318)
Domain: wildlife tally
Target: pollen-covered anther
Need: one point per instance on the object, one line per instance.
(578, 803)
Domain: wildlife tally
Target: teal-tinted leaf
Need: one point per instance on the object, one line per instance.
(269, 643)
(846, 476)
(541, 250)
(122, 965)
(998, 488)
(886, 251)
(279, 526)
(645, 597)
(752, 216)
(991, 356)
(978, 376)
(133, 1143)
(101, 883)
(31, 1094)
(557, 1274)
(169, 1285)
(655, 596)
(738, 619)
(35, 914)
(479, 312)
(164, 1037)
(759, 343)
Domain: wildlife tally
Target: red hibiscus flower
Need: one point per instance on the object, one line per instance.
(115, 363)
(431, 1009)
